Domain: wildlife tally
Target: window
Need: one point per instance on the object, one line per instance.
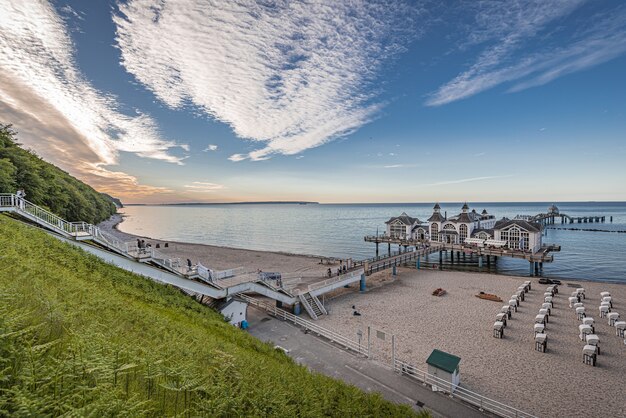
(462, 233)
(397, 230)
(449, 227)
(514, 236)
(434, 232)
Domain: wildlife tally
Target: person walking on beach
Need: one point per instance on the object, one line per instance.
(330, 273)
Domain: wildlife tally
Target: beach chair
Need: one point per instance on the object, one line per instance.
(580, 313)
(517, 298)
(620, 328)
(541, 342)
(502, 318)
(604, 294)
(589, 354)
(572, 300)
(543, 311)
(540, 319)
(593, 339)
(613, 318)
(581, 292)
(609, 300)
(520, 295)
(498, 329)
(513, 304)
(547, 306)
(607, 304)
(583, 331)
(527, 284)
(550, 300)
(539, 328)
(507, 310)
(604, 311)
(589, 321)
(578, 305)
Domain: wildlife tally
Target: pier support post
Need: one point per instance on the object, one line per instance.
(440, 258)
(296, 308)
(389, 249)
(480, 261)
(377, 249)
(536, 268)
(541, 267)
(531, 268)
(394, 271)
(417, 262)
(488, 260)
(452, 256)
(362, 283)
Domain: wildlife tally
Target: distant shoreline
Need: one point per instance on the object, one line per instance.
(225, 203)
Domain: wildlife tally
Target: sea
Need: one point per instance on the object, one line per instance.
(589, 251)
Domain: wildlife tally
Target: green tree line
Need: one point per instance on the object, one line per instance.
(79, 337)
(47, 185)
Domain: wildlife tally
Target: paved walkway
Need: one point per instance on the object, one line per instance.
(323, 357)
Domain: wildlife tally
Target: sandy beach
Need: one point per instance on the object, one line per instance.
(221, 258)
(509, 370)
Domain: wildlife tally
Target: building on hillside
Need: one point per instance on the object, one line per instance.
(234, 310)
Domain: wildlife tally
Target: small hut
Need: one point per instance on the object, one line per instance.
(446, 367)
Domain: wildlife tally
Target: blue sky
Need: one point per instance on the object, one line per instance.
(420, 101)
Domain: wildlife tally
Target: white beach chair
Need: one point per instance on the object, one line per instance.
(609, 300)
(527, 284)
(507, 310)
(589, 354)
(581, 292)
(584, 330)
(540, 319)
(541, 342)
(613, 318)
(520, 294)
(604, 311)
(580, 313)
(620, 328)
(501, 317)
(572, 300)
(498, 329)
(539, 328)
(607, 304)
(547, 294)
(549, 299)
(578, 305)
(513, 304)
(593, 339)
(543, 311)
(547, 306)
(604, 294)
(589, 321)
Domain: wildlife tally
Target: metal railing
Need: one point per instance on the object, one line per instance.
(456, 391)
(308, 325)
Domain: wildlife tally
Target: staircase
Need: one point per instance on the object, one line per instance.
(312, 305)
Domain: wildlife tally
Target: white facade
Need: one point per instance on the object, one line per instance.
(235, 311)
(456, 229)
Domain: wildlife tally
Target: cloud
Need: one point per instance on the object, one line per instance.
(57, 111)
(394, 166)
(203, 187)
(480, 154)
(210, 148)
(514, 26)
(287, 75)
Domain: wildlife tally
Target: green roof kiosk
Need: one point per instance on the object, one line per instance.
(446, 367)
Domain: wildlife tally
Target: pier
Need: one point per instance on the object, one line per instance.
(550, 217)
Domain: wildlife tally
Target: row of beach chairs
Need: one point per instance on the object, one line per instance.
(506, 313)
(542, 319)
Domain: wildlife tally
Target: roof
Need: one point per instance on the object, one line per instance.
(405, 219)
(529, 226)
(436, 217)
(436, 206)
(465, 207)
(484, 212)
(479, 230)
(420, 226)
(443, 361)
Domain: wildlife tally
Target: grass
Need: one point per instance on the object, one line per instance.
(79, 337)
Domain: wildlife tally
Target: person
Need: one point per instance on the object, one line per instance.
(21, 194)
(189, 264)
(330, 273)
(138, 245)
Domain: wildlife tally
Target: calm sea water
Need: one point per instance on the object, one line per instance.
(338, 231)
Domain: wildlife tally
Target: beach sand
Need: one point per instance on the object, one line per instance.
(509, 370)
(222, 258)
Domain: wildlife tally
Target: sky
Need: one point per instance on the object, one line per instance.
(161, 101)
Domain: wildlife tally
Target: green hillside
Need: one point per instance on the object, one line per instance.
(47, 185)
(83, 338)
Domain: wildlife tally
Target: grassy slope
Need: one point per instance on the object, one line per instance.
(80, 337)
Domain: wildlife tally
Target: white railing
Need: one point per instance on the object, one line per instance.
(8, 200)
(482, 402)
(328, 282)
(168, 262)
(307, 325)
(224, 274)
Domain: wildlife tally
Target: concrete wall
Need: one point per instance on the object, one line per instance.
(236, 311)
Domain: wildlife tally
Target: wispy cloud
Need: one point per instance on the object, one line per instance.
(210, 148)
(394, 166)
(203, 187)
(466, 180)
(514, 28)
(43, 93)
(288, 75)
(480, 154)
